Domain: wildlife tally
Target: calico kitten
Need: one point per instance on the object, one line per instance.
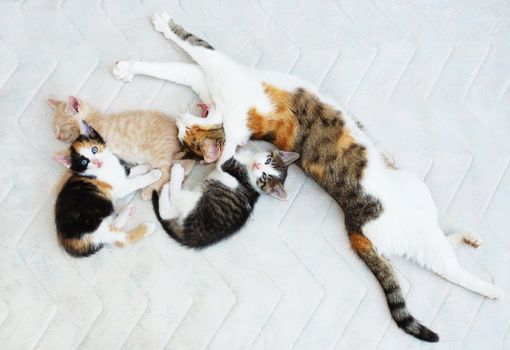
(223, 204)
(85, 209)
(137, 137)
(387, 211)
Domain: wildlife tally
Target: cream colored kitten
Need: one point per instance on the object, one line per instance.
(134, 136)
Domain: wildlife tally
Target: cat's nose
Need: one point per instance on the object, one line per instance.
(97, 163)
(256, 165)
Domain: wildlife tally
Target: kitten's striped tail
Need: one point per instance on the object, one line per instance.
(166, 224)
(384, 273)
(174, 230)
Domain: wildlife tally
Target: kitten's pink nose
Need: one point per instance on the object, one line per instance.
(257, 165)
(97, 163)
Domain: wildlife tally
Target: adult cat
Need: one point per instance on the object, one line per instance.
(387, 211)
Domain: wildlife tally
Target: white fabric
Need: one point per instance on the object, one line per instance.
(430, 81)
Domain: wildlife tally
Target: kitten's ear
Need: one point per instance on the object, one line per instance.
(279, 192)
(288, 157)
(87, 130)
(211, 150)
(63, 158)
(73, 105)
(53, 103)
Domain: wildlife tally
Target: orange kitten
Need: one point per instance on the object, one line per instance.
(134, 136)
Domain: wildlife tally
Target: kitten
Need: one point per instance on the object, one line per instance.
(222, 205)
(387, 211)
(85, 209)
(137, 137)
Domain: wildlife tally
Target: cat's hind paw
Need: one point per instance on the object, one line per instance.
(122, 71)
(472, 240)
(495, 293)
(161, 22)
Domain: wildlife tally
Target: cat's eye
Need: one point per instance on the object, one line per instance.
(268, 161)
(94, 150)
(264, 177)
(84, 162)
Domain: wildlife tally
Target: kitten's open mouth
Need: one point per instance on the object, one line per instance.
(205, 109)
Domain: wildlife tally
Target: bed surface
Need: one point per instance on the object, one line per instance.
(429, 80)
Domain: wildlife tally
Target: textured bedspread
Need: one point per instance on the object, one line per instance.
(430, 81)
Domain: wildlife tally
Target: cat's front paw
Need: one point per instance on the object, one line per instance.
(140, 169)
(122, 71)
(155, 174)
(161, 21)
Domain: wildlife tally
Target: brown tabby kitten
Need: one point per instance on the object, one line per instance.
(135, 136)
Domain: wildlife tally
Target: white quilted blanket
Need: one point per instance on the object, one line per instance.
(430, 81)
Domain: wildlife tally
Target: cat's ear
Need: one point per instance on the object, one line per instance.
(73, 105)
(53, 103)
(288, 157)
(211, 150)
(279, 192)
(63, 158)
(87, 130)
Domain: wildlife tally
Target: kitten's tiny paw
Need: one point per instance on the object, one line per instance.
(122, 71)
(146, 194)
(150, 227)
(139, 170)
(155, 174)
(495, 293)
(161, 21)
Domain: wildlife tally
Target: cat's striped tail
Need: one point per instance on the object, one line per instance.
(384, 273)
(168, 225)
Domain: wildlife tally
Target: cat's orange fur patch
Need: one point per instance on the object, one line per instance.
(87, 144)
(315, 169)
(132, 236)
(137, 234)
(78, 246)
(344, 141)
(359, 242)
(196, 135)
(281, 120)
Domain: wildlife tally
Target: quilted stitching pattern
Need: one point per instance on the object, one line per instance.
(430, 80)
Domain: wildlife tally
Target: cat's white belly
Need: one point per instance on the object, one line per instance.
(408, 222)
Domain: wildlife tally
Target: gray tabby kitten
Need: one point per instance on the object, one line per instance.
(222, 205)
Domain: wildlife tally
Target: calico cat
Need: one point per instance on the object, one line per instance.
(222, 205)
(85, 213)
(387, 211)
(137, 137)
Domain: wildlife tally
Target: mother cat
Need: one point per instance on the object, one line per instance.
(387, 211)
